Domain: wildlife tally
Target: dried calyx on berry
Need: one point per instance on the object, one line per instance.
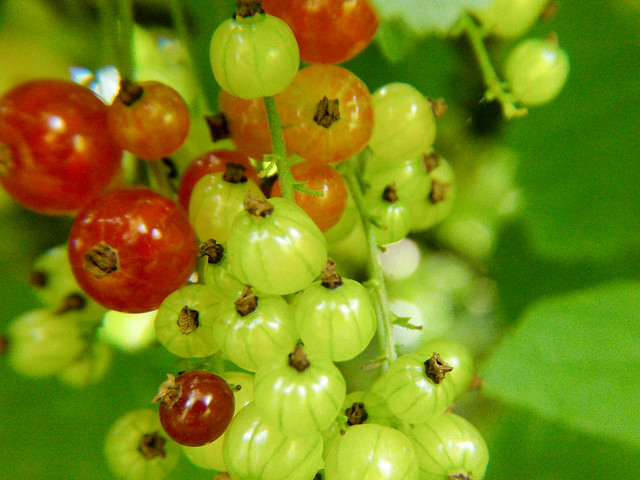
(248, 8)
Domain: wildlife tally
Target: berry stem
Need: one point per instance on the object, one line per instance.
(162, 182)
(124, 51)
(376, 282)
(495, 88)
(279, 150)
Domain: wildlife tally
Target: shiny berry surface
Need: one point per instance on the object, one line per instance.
(55, 151)
(324, 210)
(149, 119)
(131, 248)
(211, 162)
(327, 114)
(327, 31)
(198, 408)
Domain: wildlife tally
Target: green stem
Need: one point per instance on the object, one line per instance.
(495, 88)
(279, 148)
(376, 282)
(125, 38)
(108, 25)
(162, 182)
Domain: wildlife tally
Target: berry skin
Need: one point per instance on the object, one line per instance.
(55, 150)
(195, 407)
(136, 448)
(255, 448)
(149, 119)
(131, 248)
(327, 209)
(327, 31)
(277, 249)
(254, 56)
(510, 18)
(211, 162)
(449, 447)
(327, 114)
(371, 451)
(536, 71)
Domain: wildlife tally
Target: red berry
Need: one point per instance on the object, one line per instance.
(196, 407)
(326, 210)
(327, 31)
(211, 162)
(131, 248)
(55, 150)
(148, 119)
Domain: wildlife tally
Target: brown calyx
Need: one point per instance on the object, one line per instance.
(247, 302)
(100, 260)
(130, 92)
(477, 382)
(327, 112)
(169, 392)
(218, 126)
(6, 160)
(257, 207)
(460, 476)
(212, 250)
(234, 173)
(248, 8)
(4, 344)
(438, 107)
(356, 414)
(298, 359)
(439, 191)
(390, 194)
(38, 278)
(435, 368)
(431, 161)
(330, 278)
(151, 445)
(187, 320)
(73, 301)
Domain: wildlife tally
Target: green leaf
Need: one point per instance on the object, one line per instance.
(579, 165)
(575, 359)
(522, 445)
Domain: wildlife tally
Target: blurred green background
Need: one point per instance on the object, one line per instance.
(562, 380)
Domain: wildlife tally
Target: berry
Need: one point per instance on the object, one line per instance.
(370, 451)
(195, 407)
(510, 18)
(324, 210)
(335, 317)
(327, 31)
(149, 119)
(327, 114)
(405, 125)
(136, 448)
(211, 162)
(130, 248)
(255, 448)
(536, 71)
(301, 393)
(216, 199)
(449, 447)
(55, 150)
(254, 54)
(184, 322)
(274, 246)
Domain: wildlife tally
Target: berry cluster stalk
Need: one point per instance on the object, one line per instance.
(279, 150)
(376, 282)
(495, 88)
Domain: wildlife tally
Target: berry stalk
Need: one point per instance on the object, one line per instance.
(279, 150)
(495, 87)
(376, 282)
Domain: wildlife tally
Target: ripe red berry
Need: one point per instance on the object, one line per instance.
(55, 151)
(195, 407)
(131, 248)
